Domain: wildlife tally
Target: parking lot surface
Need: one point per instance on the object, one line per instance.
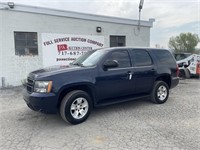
(136, 125)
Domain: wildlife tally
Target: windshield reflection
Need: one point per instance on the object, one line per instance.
(90, 58)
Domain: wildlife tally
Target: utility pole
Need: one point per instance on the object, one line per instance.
(140, 8)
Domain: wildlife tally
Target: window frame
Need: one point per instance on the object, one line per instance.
(120, 50)
(169, 57)
(133, 60)
(117, 41)
(29, 41)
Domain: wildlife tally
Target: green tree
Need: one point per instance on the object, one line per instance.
(185, 42)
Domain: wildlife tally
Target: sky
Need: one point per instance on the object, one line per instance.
(172, 17)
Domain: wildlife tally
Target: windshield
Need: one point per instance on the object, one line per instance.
(181, 56)
(90, 58)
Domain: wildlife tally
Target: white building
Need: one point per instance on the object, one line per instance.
(24, 33)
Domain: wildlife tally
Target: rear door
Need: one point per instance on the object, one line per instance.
(144, 72)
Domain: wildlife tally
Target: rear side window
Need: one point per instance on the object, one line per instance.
(164, 57)
(141, 58)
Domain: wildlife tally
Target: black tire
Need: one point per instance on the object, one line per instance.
(181, 74)
(160, 92)
(71, 107)
(184, 73)
(187, 73)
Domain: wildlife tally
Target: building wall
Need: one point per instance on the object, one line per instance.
(15, 68)
(1, 47)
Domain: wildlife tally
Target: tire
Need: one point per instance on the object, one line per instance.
(184, 73)
(160, 92)
(187, 73)
(181, 74)
(75, 107)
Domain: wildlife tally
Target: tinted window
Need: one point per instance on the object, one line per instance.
(164, 57)
(141, 58)
(122, 57)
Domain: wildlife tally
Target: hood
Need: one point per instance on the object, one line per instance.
(48, 71)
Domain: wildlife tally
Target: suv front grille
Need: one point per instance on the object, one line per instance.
(29, 85)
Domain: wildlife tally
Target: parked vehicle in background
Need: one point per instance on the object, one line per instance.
(102, 77)
(189, 64)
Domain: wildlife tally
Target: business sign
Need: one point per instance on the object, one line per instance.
(61, 49)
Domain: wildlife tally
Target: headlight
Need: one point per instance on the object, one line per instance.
(43, 86)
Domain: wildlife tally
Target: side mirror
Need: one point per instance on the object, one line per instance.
(110, 64)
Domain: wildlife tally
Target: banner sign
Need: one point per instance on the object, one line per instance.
(61, 49)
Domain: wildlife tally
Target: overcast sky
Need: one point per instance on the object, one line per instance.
(172, 16)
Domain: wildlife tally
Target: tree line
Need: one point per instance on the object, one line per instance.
(184, 43)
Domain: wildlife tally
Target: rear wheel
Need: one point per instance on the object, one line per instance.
(76, 107)
(160, 92)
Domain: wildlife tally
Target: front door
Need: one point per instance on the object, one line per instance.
(115, 82)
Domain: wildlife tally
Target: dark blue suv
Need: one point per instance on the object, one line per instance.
(102, 77)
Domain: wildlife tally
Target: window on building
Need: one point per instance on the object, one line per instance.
(26, 43)
(117, 41)
(141, 58)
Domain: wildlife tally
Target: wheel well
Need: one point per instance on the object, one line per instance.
(166, 79)
(84, 88)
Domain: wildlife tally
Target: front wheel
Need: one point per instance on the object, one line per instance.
(75, 107)
(160, 92)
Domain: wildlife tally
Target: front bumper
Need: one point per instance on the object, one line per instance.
(44, 102)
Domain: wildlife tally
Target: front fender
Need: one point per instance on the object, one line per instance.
(84, 86)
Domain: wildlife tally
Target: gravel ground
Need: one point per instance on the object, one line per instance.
(137, 125)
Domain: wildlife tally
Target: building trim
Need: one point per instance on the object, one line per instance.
(76, 15)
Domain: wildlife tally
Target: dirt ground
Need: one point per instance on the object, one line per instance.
(136, 125)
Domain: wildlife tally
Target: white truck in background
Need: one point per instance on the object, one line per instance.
(189, 64)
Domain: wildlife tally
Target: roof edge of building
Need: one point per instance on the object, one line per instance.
(76, 15)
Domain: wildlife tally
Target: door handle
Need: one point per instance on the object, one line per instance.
(130, 75)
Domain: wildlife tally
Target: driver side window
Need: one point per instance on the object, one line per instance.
(122, 57)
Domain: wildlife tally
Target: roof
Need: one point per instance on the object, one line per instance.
(77, 15)
(132, 47)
